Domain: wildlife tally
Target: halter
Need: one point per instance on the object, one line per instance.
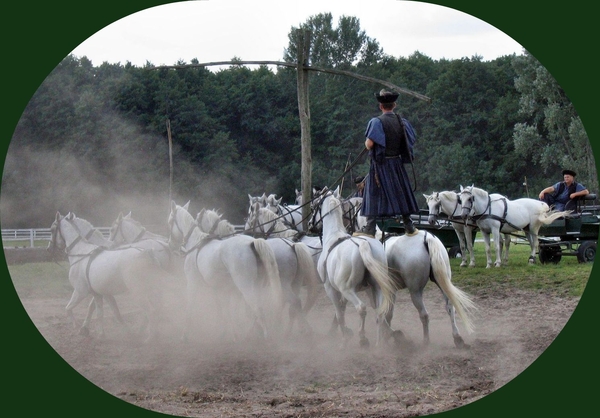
(137, 238)
(487, 212)
(186, 236)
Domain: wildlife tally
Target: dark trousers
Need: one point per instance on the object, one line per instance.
(551, 201)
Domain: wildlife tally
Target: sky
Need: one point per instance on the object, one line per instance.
(219, 30)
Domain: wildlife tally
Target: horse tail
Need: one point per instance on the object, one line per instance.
(267, 258)
(379, 272)
(442, 274)
(306, 269)
(548, 216)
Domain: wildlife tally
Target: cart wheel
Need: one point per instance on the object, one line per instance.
(586, 252)
(455, 252)
(550, 254)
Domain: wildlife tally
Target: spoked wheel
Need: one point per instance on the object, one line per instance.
(586, 252)
(550, 254)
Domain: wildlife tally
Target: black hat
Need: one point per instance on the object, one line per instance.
(570, 172)
(385, 96)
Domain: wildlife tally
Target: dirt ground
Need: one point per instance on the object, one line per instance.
(307, 374)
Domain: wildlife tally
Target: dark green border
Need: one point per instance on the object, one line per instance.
(37, 36)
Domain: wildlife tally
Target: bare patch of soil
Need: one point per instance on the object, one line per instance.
(308, 375)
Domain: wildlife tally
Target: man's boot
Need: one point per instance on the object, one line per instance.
(368, 229)
(409, 227)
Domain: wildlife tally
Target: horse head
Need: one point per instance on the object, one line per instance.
(181, 225)
(298, 197)
(57, 241)
(433, 204)
(466, 200)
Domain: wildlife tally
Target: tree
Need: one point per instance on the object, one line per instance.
(342, 46)
(552, 135)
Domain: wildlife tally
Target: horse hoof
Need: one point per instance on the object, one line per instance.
(460, 343)
(364, 342)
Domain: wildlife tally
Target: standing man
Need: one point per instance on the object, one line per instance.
(563, 195)
(388, 192)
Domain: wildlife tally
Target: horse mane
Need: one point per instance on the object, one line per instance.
(266, 216)
(87, 224)
(188, 221)
(208, 218)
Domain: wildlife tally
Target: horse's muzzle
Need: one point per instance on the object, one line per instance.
(431, 219)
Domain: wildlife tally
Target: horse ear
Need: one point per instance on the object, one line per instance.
(58, 216)
(128, 215)
(426, 196)
(120, 216)
(173, 206)
(187, 205)
(200, 214)
(70, 215)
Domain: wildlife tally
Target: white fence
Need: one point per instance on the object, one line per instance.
(31, 235)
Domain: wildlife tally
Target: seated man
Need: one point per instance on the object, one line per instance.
(563, 195)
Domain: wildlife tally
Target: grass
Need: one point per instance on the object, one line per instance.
(24, 243)
(567, 278)
(33, 280)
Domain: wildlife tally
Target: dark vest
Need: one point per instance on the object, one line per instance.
(561, 188)
(395, 139)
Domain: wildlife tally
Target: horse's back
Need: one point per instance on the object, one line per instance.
(408, 256)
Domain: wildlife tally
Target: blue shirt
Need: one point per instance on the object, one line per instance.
(564, 196)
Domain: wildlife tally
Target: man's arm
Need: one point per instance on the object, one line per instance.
(549, 189)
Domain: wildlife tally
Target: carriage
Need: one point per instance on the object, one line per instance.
(573, 235)
(443, 229)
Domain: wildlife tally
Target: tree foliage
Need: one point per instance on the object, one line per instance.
(94, 139)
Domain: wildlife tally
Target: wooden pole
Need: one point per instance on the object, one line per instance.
(303, 42)
(170, 162)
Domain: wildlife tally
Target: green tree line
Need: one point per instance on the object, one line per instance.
(93, 139)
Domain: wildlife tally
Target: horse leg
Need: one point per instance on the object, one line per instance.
(488, 255)
(76, 297)
(469, 242)
(458, 340)
(85, 330)
(463, 247)
(498, 245)
(339, 304)
(361, 308)
(533, 243)
(506, 247)
(417, 300)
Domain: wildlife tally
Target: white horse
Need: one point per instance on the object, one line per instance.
(352, 219)
(413, 261)
(93, 236)
(447, 202)
(349, 264)
(290, 214)
(295, 265)
(496, 214)
(240, 263)
(127, 231)
(103, 272)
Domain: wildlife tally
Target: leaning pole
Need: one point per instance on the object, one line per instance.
(302, 66)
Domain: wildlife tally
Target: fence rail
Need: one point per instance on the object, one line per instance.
(43, 234)
(36, 234)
